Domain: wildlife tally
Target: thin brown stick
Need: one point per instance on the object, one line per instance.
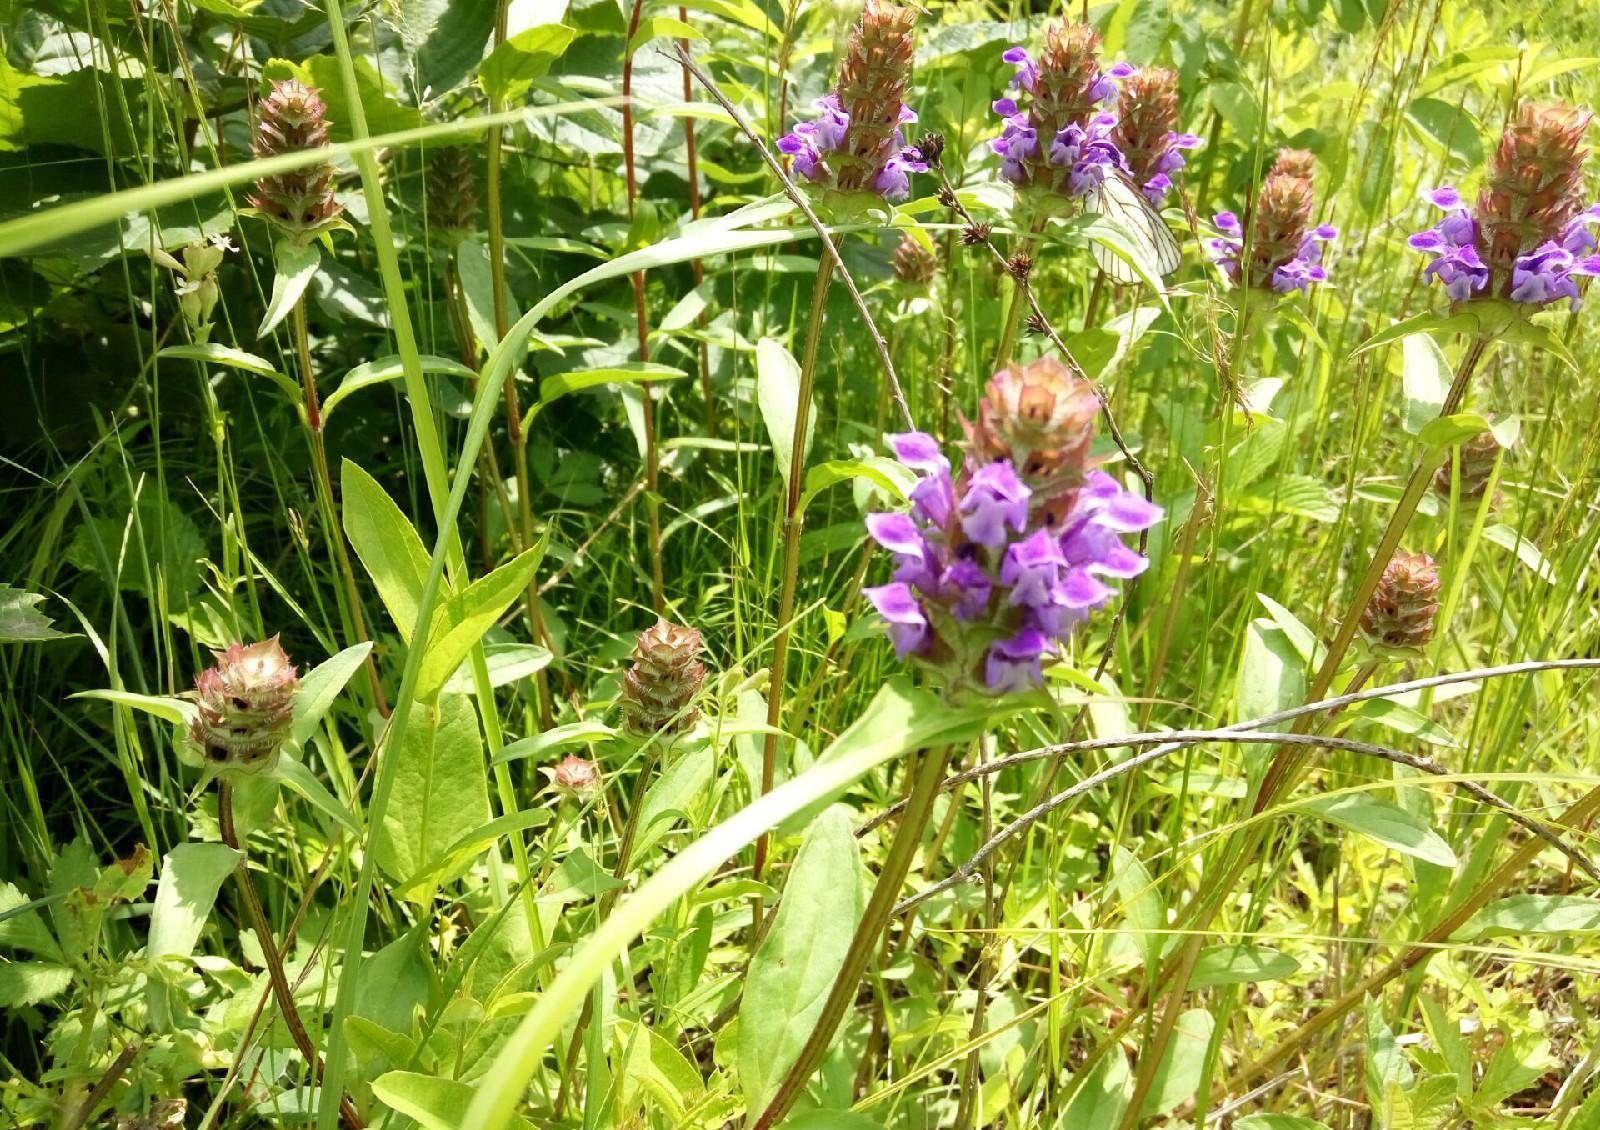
(103, 1086)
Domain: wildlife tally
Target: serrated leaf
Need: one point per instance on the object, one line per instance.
(22, 622)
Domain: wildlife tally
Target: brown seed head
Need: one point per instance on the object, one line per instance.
(1534, 184)
(1300, 163)
(1068, 69)
(246, 705)
(1036, 326)
(1019, 267)
(913, 263)
(1041, 418)
(660, 687)
(873, 79)
(975, 235)
(1478, 456)
(1147, 113)
(452, 189)
(293, 118)
(931, 149)
(1401, 614)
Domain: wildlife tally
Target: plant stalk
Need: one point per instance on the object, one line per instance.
(325, 501)
(925, 773)
(281, 991)
(793, 522)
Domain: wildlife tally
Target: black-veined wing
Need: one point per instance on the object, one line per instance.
(1152, 241)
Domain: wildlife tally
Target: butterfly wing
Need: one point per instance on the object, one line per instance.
(1126, 207)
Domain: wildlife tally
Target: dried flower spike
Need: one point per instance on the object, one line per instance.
(1478, 457)
(452, 188)
(301, 202)
(914, 264)
(245, 705)
(975, 235)
(856, 144)
(1528, 239)
(1285, 253)
(659, 690)
(1147, 132)
(1401, 615)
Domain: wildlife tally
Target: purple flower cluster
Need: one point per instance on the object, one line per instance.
(1543, 275)
(984, 581)
(809, 144)
(1301, 271)
(1087, 152)
(1170, 159)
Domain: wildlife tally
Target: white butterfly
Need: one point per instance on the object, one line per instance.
(1136, 219)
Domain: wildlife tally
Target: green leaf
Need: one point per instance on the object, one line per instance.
(387, 545)
(1425, 379)
(1455, 131)
(467, 848)
(191, 875)
(1240, 964)
(889, 475)
(1401, 719)
(1183, 1066)
(796, 964)
(650, 1063)
(212, 353)
(1386, 823)
(320, 687)
(1272, 676)
(662, 27)
(461, 620)
(511, 67)
(1099, 1100)
(1447, 430)
(1142, 905)
(178, 711)
(1421, 323)
(578, 878)
(560, 737)
(778, 396)
(387, 369)
(293, 264)
(32, 982)
(632, 373)
(1506, 538)
(436, 1104)
(21, 622)
(1278, 1122)
(440, 787)
(1533, 914)
(507, 663)
(672, 794)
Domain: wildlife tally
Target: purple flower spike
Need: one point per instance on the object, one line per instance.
(919, 451)
(1027, 72)
(908, 626)
(994, 499)
(968, 588)
(1032, 568)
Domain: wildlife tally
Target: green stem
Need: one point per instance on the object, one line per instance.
(328, 506)
(793, 522)
(926, 772)
(281, 992)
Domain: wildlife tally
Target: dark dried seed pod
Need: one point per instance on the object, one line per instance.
(975, 235)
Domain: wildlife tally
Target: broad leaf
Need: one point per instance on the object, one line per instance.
(440, 787)
(1388, 824)
(293, 265)
(778, 395)
(21, 622)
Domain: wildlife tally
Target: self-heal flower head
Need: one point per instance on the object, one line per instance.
(1147, 128)
(1283, 249)
(992, 575)
(245, 706)
(1062, 140)
(300, 202)
(856, 143)
(1527, 237)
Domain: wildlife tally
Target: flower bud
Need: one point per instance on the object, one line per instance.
(301, 201)
(452, 188)
(1478, 457)
(1040, 418)
(573, 774)
(913, 263)
(1401, 614)
(246, 705)
(196, 285)
(659, 689)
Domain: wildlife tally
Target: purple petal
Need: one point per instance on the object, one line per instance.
(1445, 196)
